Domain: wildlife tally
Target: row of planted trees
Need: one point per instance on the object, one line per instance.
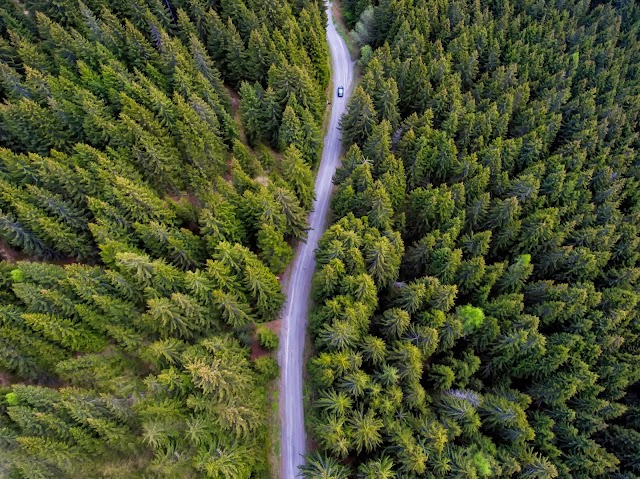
(492, 147)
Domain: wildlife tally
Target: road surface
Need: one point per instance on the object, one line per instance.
(298, 287)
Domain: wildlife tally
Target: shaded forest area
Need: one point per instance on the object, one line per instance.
(477, 295)
(152, 210)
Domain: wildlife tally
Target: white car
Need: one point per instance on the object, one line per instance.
(340, 92)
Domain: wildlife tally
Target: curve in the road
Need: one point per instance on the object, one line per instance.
(298, 288)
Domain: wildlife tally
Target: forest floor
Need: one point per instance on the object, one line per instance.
(257, 350)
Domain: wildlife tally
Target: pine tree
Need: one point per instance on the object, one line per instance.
(235, 54)
(376, 200)
(258, 53)
(32, 128)
(274, 251)
(251, 112)
(365, 430)
(219, 222)
(290, 132)
(16, 235)
(271, 115)
(294, 215)
(298, 174)
(198, 140)
(65, 332)
(247, 159)
(359, 119)
(383, 261)
(234, 312)
(318, 467)
(314, 43)
(151, 147)
(381, 468)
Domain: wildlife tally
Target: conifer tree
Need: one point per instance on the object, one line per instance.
(358, 122)
(251, 113)
(275, 252)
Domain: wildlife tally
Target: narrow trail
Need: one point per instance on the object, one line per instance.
(298, 287)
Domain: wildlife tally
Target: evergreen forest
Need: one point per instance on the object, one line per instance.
(476, 299)
(155, 169)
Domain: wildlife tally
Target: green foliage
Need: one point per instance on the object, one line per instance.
(482, 464)
(17, 276)
(274, 251)
(267, 338)
(267, 368)
(319, 467)
(505, 344)
(121, 158)
(472, 318)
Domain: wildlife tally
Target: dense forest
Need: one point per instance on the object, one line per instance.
(155, 168)
(477, 295)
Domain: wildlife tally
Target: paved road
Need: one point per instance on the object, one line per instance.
(294, 315)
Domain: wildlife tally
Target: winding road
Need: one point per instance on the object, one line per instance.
(298, 287)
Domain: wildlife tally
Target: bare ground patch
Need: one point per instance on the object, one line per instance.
(258, 351)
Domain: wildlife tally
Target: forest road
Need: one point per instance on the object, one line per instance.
(298, 288)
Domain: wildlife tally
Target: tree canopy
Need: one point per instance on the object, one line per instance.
(477, 295)
(155, 169)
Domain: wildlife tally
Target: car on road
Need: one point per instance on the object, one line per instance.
(340, 92)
